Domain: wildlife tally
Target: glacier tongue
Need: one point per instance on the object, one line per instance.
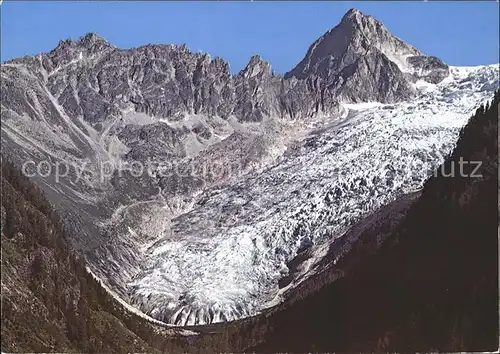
(222, 259)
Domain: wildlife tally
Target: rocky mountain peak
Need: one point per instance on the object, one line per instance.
(256, 66)
(364, 30)
(353, 15)
(359, 59)
(72, 51)
(87, 41)
(92, 38)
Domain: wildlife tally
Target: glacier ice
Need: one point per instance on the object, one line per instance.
(221, 260)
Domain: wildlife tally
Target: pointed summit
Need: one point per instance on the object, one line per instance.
(87, 40)
(92, 37)
(356, 20)
(70, 50)
(361, 60)
(91, 42)
(352, 14)
(256, 66)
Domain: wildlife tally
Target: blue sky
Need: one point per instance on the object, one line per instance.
(460, 33)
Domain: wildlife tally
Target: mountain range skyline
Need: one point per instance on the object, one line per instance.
(228, 31)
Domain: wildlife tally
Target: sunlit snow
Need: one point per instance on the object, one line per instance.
(222, 259)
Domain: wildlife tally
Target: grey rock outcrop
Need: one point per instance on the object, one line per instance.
(262, 93)
(93, 79)
(429, 68)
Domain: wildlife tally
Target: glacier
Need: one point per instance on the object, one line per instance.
(222, 257)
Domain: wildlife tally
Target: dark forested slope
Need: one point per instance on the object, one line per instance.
(49, 301)
(434, 284)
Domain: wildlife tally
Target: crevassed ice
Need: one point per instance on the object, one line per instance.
(222, 260)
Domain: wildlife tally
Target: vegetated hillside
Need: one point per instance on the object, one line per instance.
(49, 301)
(433, 285)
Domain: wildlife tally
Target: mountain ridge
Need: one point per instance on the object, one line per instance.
(303, 156)
(354, 26)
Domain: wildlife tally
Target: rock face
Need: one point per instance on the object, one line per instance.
(95, 80)
(428, 68)
(361, 61)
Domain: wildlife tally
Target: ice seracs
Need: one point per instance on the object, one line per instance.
(237, 238)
